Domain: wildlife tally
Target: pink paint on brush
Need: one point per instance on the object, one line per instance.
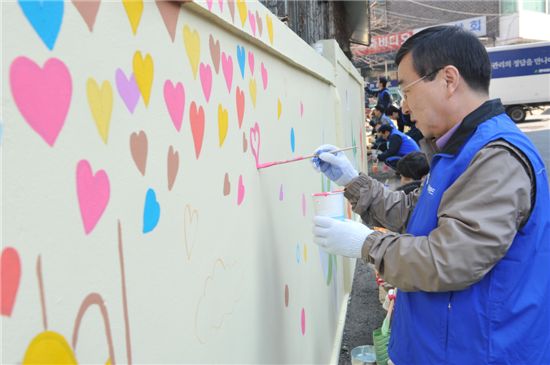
(328, 193)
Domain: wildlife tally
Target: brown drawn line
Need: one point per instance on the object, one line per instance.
(124, 297)
(42, 296)
(91, 299)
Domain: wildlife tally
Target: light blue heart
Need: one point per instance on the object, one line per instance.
(241, 59)
(151, 211)
(45, 17)
(292, 140)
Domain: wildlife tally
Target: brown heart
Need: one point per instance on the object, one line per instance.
(88, 10)
(245, 143)
(169, 10)
(190, 229)
(138, 147)
(231, 6)
(259, 23)
(215, 52)
(226, 185)
(173, 164)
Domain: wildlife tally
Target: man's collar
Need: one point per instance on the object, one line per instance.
(485, 111)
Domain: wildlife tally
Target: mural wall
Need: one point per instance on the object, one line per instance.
(136, 227)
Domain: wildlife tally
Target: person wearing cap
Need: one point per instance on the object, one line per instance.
(398, 144)
(473, 268)
(384, 96)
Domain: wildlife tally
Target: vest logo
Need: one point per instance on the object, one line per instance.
(431, 190)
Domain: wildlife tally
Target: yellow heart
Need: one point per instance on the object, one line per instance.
(243, 11)
(192, 42)
(101, 105)
(252, 89)
(269, 23)
(134, 9)
(279, 109)
(305, 252)
(222, 123)
(144, 71)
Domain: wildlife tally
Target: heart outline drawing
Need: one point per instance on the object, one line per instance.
(190, 229)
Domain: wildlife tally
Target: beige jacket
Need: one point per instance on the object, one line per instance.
(478, 218)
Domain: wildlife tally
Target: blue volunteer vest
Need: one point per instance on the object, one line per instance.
(408, 144)
(505, 317)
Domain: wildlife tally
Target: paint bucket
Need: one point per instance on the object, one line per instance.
(363, 355)
(329, 204)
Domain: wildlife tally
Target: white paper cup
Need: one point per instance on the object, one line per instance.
(330, 204)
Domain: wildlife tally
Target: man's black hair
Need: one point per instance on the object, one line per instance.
(392, 109)
(380, 108)
(383, 80)
(436, 47)
(413, 165)
(385, 128)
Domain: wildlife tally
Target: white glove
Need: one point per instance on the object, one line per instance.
(344, 238)
(335, 166)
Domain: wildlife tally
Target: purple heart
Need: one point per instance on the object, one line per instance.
(128, 89)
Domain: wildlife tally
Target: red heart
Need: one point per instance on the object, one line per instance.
(10, 271)
(240, 106)
(196, 117)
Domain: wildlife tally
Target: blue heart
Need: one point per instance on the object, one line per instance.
(45, 17)
(151, 211)
(241, 59)
(292, 140)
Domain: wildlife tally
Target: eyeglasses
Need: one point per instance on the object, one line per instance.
(404, 89)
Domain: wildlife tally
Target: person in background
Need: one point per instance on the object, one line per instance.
(398, 144)
(394, 112)
(413, 167)
(378, 115)
(384, 96)
(472, 269)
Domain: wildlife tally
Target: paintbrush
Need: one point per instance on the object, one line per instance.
(300, 158)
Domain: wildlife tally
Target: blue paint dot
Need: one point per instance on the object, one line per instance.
(298, 253)
(151, 211)
(292, 140)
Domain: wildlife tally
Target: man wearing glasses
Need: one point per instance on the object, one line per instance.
(473, 268)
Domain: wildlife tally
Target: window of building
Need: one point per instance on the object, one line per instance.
(534, 5)
(508, 6)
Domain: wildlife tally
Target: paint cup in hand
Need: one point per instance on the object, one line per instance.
(329, 204)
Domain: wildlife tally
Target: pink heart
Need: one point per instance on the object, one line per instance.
(255, 142)
(196, 118)
(127, 89)
(301, 109)
(209, 4)
(206, 80)
(227, 66)
(240, 191)
(220, 3)
(10, 275)
(252, 20)
(240, 106)
(93, 194)
(264, 76)
(174, 96)
(251, 62)
(43, 95)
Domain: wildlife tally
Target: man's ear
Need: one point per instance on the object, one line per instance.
(451, 76)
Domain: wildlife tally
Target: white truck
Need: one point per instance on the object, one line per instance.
(521, 77)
